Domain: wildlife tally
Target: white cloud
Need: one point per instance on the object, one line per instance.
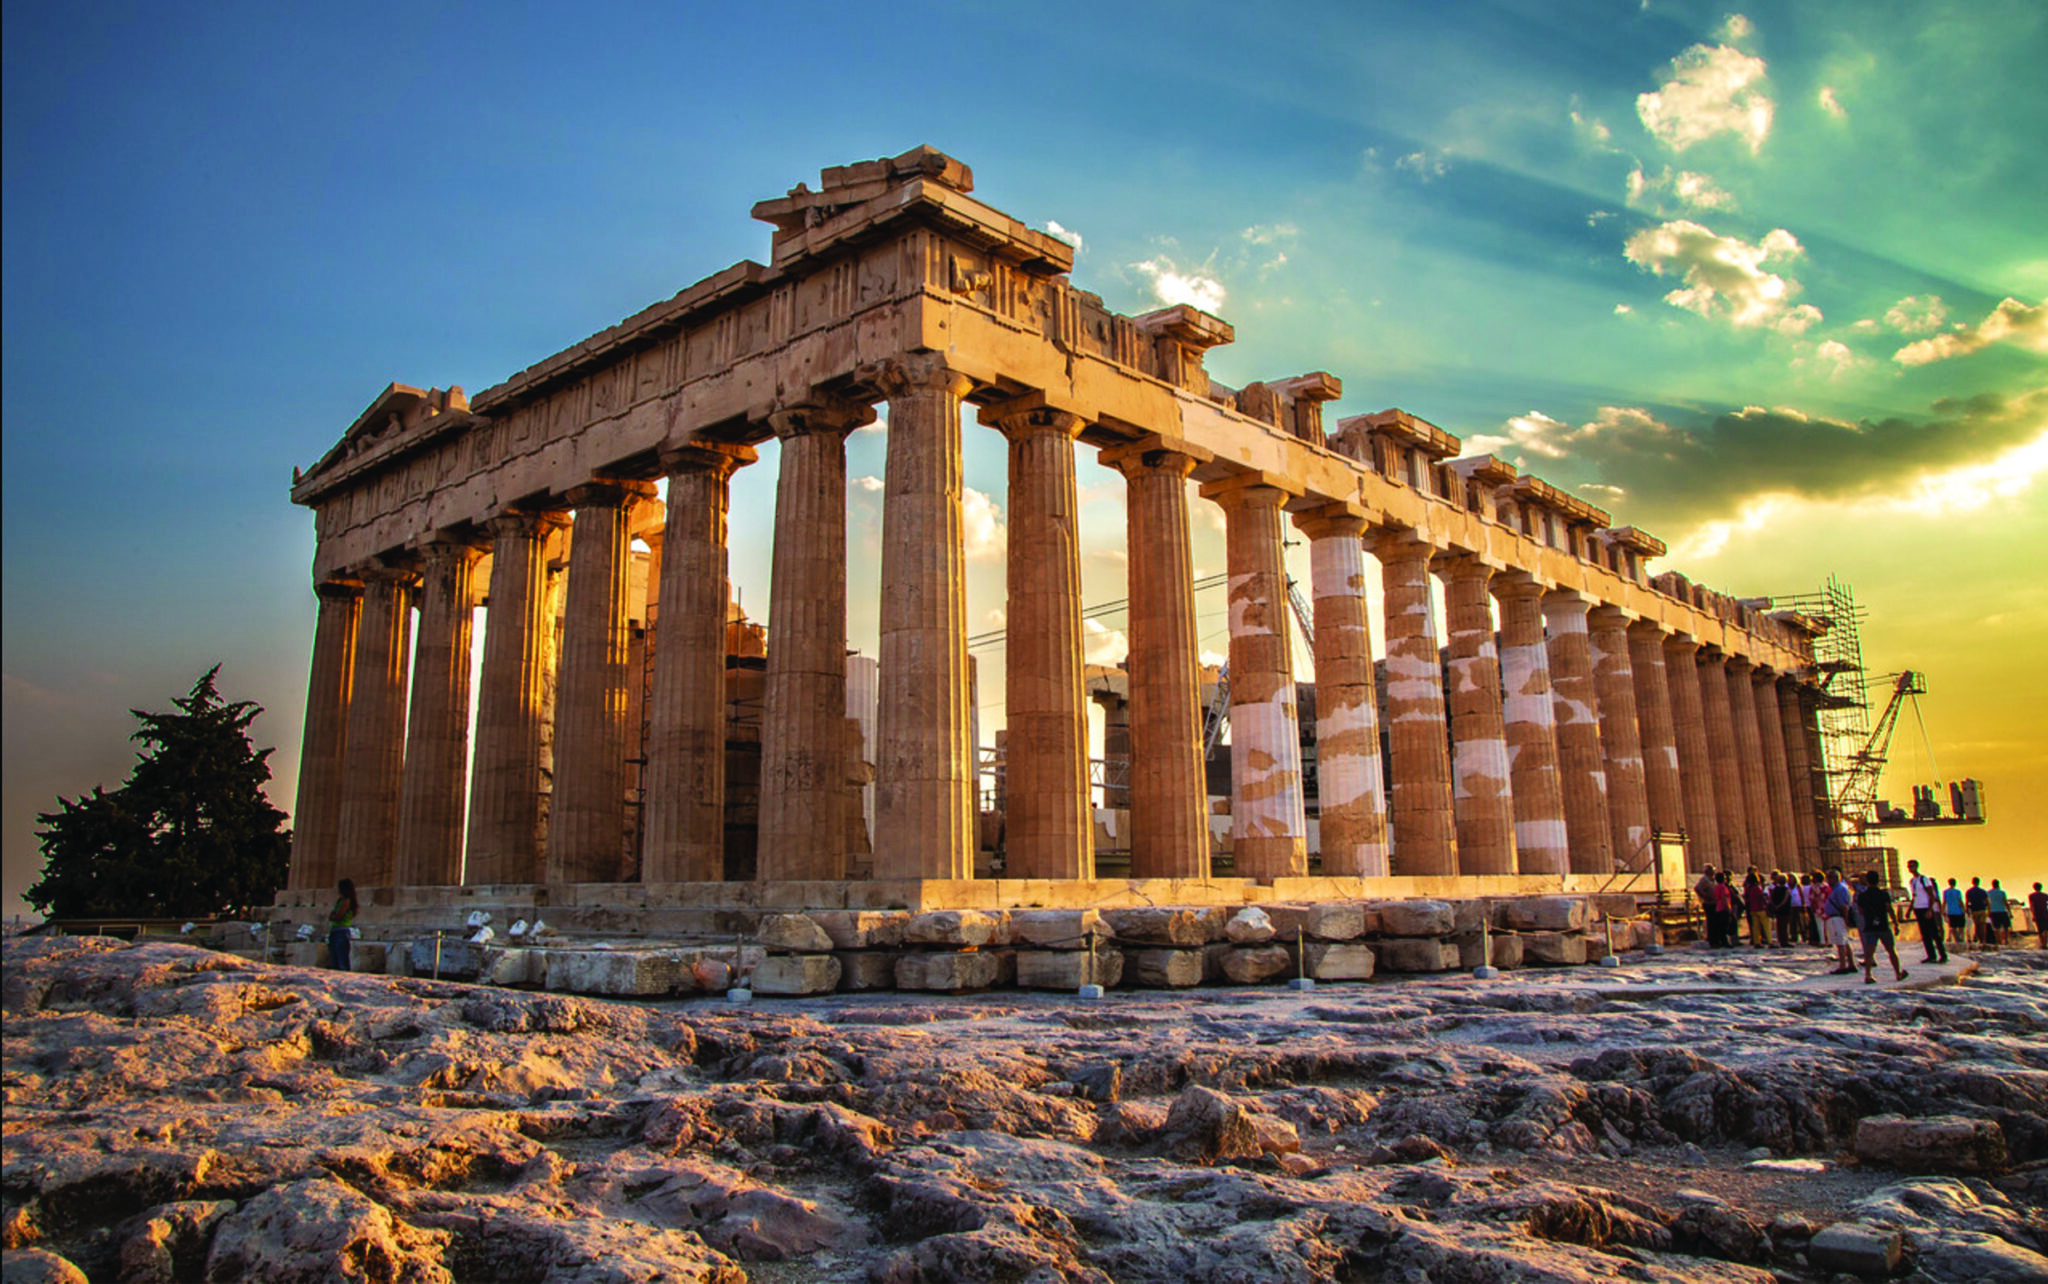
(996, 618)
(1067, 234)
(1622, 309)
(1865, 326)
(1677, 189)
(2011, 321)
(1724, 276)
(869, 483)
(1917, 314)
(1270, 233)
(1602, 491)
(1536, 433)
(1736, 27)
(1831, 104)
(1214, 659)
(1425, 166)
(1709, 90)
(1170, 285)
(987, 538)
(881, 423)
(1592, 129)
(1101, 644)
(1832, 358)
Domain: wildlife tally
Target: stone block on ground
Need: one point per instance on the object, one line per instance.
(797, 974)
(863, 929)
(1936, 1144)
(503, 966)
(1204, 1126)
(1249, 926)
(1612, 904)
(1163, 968)
(1856, 1247)
(1507, 950)
(1149, 925)
(1553, 949)
(1413, 954)
(369, 956)
(1337, 960)
(1338, 921)
(456, 960)
(306, 954)
(795, 932)
(1058, 929)
(1416, 918)
(1067, 969)
(1546, 914)
(951, 927)
(1256, 964)
(946, 971)
(866, 970)
(617, 972)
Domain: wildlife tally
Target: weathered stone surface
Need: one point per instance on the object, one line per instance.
(1252, 964)
(38, 1266)
(1156, 968)
(796, 974)
(946, 970)
(1506, 950)
(1856, 1247)
(863, 929)
(1939, 1144)
(795, 932)
(1152, 926)
(368, 956)
(1409, 954)
(1059, 929)
(1067, 969)
(1547, 913)
(1553, 948)
(169, 1242)
(1338, 961)
(1249, 926)
(866, 970)
(1335, 921)
(1204, 1126)
(447, 958)
(616, 972)
(312, 1232)
(1416, 918)
(951, 927)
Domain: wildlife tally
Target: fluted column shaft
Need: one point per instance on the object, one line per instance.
(1481, 775)
(316, 817)
(1621, 744)
(504, 792)
(1663, 786)
(1350, 792)
(1770, 735)
(1582, 766)
(1529, 715)
(1749, 758)
(1799, 771)
(1169, 793)
(1268, 818)
(924, 787)
(587, 829)
(1424, 818)
(1731, 810)
(683, 818)
(1695, 759)
(436, 775)
(375, 752)
(1049, 826)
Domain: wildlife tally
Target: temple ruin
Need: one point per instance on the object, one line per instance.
(1544, 753)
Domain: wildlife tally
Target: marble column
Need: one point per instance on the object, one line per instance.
(1731, 810)
(1621, 743)
(1481, 775)
(1799, 773)
(683, 817)
(1424, 816)
(1050, 825)
(1682, 681)
(1663, 786)
(803, 822)
(374, 755)
(1169, 792)
(316, 817)
(436, 774)
(504, 792)
(924, 787)
(1582, 765)
(1749, 758)
(1350, 792)
(1777, 772)
(1529, 715)
(1268, 819)
(587, 829)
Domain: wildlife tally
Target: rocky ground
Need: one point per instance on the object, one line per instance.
(174, 1114)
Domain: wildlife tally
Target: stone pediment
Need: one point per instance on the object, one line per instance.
(399, 413)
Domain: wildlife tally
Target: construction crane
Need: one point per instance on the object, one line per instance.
(1219, 704)
(1858, 804)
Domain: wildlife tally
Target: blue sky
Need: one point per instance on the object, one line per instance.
(1766, 279)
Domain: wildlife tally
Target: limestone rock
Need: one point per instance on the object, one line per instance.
(1407, 954)
(1554, 948)
(951, 927)
(946, 970)
(1157, 969)
(38, 1266)
(1154, 926)
(1204, 1126)
(1856, 1247)
(863, 929)
(613, 972)
(1416, 918)
(1059, 929)
(1547, 914)
(1338, 961)
(1939, 1144)
(168, 1243)
(1250, 965)
(796, 974)
(794, 932)
(1068, 969)
(866, 970)
(311, 1232)
(1249, 926)
(1336, 921)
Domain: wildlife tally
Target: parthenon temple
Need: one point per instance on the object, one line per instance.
(1569, 711)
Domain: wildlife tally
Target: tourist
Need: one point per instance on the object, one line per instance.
(1925, 898)
(1978, 902)
(1778, 896)
(2037, 905)
(1704, 889)
(1952, 905)
(1835, 905)
(1725, 902)
(1793, 929)
(341, 921)
(1756, 903)
(2001, 915)
(1874, 909)
(1816, 892)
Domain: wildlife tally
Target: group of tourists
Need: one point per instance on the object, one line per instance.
(1783, 911)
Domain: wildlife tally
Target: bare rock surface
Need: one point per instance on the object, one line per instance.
(172, 1114)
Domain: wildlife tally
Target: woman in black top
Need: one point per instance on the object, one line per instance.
(1874, 906)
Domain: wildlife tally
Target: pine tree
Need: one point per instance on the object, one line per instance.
(190, 835)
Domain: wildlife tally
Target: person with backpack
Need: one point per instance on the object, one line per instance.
(1978, 902)
(1836, 903)
(1756, 903)
(1924, 896)
(1952, 905)
(2037, 905)
(1874, 908)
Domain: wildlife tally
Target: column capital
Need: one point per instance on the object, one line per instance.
(1457, 565)
(1251, 488)
(1152, 455)
(538, 523)
(608, 492)
(338, 590)
(1606, 615)
(1400, 544)
(814, 412)
(1740, 664)
(1333, 521)
(1517, 586)
(1031, 420)
(920, 372)
(1566, 602)
(1680, 644)
(1650, 629)
(390, 569)
(721, 458)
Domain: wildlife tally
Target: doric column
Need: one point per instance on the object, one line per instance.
(316, 817)
(436, 774)
(1479, 746)
(1542, 844)
(1582, 765)
(375, 751)
(1621, 744)
(1777, 773)
(587, 828)
(683, 817)
(1169, 794)
(1662, 782)
(924, 787)
(1349, 790)
(1799, 772)
(1749, 757)
(1731, 811)
(504, 792)
(1049, 827)
(1424, 820)
(1682, 682)
(1268, 818)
